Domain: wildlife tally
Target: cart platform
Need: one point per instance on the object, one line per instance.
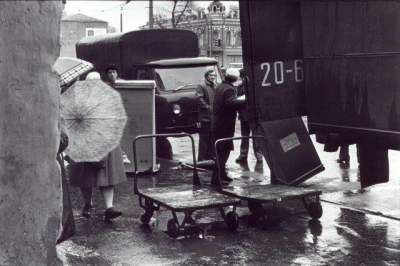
(269, 192)
(188, 197)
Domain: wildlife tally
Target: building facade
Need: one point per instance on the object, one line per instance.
(77, 26)
(218, 30)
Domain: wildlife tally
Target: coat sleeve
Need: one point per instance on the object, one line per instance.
(231, 100)
(63, 142)
(200, 94)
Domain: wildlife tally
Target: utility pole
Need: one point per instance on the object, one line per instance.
(211, 38)
(120, 14)
(151, 16)
(120, 17)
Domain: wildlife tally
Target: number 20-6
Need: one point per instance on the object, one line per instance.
(279, 72)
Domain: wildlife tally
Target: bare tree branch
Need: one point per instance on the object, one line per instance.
(181, 13)
(176, 13)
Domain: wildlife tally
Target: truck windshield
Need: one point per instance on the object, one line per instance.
(179, 78)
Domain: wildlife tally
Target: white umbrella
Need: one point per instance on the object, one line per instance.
(94, 116)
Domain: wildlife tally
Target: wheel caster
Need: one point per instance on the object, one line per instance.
(172, 228)
(314, 210)
(252, 220)
(256, 208)
(232, 220)
(263, 222)
(145, 218)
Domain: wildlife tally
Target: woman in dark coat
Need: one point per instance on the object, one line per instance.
(226, 104)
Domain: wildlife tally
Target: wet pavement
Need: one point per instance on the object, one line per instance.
(357, 228)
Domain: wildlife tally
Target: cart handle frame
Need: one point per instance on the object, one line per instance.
(196, 179)
(218, 144)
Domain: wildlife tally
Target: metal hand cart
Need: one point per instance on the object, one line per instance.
(258, 194)
(183, 198)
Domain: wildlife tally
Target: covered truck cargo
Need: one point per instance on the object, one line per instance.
(272, 52)
(273, 62)
(352, 69)
(137, 48)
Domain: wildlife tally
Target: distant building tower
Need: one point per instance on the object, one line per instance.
(77, 26)
(218, 31)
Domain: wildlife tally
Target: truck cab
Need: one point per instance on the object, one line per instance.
(176, 83)
(168, 56)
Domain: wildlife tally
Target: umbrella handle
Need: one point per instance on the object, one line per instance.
(196, 179)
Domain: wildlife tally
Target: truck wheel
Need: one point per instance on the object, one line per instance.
(163, 148)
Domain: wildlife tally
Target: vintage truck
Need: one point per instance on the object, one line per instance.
(335, 61)
(168, 56)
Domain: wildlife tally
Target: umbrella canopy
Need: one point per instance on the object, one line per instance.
(70, 68)
(94, 116)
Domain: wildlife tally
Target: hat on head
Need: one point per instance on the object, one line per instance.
(233, 73)
(112, 66)
(93, 75)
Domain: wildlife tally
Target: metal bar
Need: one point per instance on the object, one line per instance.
(196, 180)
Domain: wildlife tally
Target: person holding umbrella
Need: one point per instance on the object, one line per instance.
(94, 170)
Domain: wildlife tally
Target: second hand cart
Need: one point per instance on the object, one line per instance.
(182, 198)
(258, 194)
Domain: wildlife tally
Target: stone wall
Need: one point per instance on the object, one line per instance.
(30, 194)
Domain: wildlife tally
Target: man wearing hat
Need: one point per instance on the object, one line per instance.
(225, 106)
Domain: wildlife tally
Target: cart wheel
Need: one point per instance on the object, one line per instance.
(172, 228)
(232, 220)
(252, 220)
(263, 221)
(314, 209)
(256, 208)
(145, 218)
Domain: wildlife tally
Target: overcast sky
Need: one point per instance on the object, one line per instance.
(135, 13)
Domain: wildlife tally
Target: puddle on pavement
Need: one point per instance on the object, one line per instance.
(341, 237)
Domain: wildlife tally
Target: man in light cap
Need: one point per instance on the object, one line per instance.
(225, 106)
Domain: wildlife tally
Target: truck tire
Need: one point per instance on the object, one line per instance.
(163, 148)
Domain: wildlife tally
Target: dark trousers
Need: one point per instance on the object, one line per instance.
(206, 146)
(344, 153)
(244, 145)
(373, 163)
(223, 156)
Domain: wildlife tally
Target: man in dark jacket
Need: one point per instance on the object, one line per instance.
(206, 92)
(245, 129)
(226, 104)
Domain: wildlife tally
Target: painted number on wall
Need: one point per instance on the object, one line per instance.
(278, 72)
